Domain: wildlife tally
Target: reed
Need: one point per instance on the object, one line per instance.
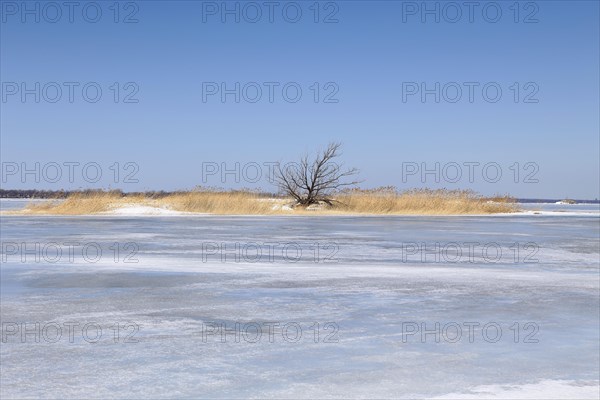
(385, 200)
(421, 201)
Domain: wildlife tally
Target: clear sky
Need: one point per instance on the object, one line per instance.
(371, 61)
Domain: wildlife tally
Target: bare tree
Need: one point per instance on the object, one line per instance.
(311, 182)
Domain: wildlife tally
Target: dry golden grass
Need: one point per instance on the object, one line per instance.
(81, 204)
(423, 202)
(198, 202)
(235, 203)
(376, 201)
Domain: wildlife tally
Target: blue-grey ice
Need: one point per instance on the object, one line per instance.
(301, 307)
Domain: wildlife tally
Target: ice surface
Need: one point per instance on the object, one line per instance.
(368, 292)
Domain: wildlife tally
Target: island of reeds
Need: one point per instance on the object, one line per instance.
(378, 201)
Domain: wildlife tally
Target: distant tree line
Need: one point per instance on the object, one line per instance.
(45, 194)
(62, 194)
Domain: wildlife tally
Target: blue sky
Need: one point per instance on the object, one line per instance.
(368, 61)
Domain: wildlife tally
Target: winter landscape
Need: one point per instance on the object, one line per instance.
(299, 200)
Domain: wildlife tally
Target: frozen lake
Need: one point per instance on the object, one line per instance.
(301, 307)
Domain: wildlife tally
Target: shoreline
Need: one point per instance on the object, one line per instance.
(276, 207)
(121, 213)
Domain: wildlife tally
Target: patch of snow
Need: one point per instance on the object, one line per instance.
(557, 213)
(135, 210)
(546, 389)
